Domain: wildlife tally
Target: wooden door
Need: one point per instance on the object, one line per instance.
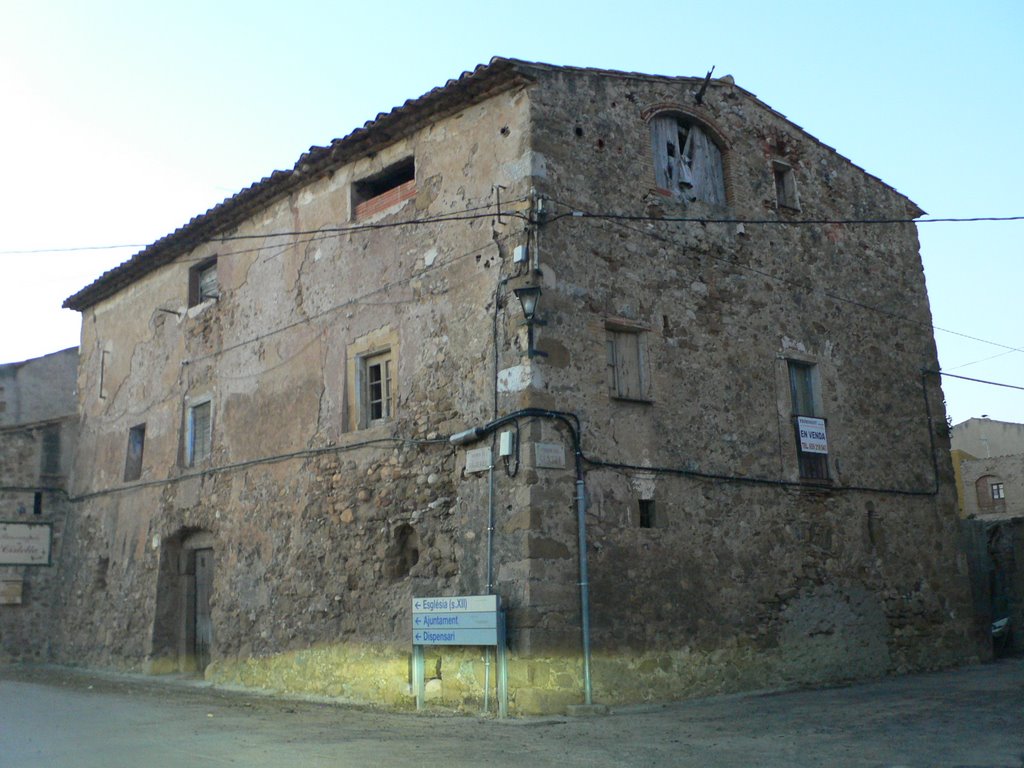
(203, 623)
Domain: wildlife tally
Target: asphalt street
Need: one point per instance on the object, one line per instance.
(52, 717)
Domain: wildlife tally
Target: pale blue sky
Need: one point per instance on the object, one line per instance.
(119, 121)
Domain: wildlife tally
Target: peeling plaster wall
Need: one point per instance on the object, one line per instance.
(305, 508)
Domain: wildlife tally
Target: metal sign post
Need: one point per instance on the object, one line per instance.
(458, 620)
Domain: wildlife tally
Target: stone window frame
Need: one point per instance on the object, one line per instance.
(192, 407)
(620, 350)
(379, 346)
(656, 118)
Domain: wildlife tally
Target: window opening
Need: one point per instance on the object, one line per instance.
(687, 163)
(202, 282)
(625, 364)
(997, 492)
(785, 186)
(133, 457)
(809, 424)
(104, 363)
(390, 187)
(51, 452)
(378, 400)
(37, 503)
(646, 513)
(199, 432)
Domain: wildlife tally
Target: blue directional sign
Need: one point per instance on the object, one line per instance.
(459, 620)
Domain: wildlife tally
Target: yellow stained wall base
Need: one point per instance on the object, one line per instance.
(381, 676)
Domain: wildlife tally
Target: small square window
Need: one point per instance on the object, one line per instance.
(392, 186)
(202, 282)
(200, 433)
(133, 456)
(625, 362)
(785, 186)
(376, 388)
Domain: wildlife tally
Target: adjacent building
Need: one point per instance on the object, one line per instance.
(658, 317)
(38, 430)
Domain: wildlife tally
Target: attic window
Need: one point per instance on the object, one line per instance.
(785, 186)
(388, 188)
(202, 282)
(687, 162)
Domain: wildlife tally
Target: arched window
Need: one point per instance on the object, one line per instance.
(687, 162)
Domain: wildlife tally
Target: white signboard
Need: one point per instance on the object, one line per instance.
(25, 543)
(478, 459)
(813, 438)
(459, 620)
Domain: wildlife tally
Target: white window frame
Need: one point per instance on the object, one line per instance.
(376, 407)
(998, 491)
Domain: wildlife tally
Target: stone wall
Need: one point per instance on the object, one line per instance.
(325, 516)
(38, 432)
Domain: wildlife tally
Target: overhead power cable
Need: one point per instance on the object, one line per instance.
(518, 214)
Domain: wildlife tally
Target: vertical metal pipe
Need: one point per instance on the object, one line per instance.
(490, 572)
(581, 522)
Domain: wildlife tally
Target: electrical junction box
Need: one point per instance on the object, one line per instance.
(506, 443)
(519, 254)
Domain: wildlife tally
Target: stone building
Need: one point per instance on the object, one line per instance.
(38, 429)
(988, 462)
(724, 359)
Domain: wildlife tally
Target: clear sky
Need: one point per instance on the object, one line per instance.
(120, 121)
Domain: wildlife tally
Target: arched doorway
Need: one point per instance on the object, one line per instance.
(183, 626)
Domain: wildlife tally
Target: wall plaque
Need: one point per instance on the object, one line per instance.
(549, 455)
(25, 543)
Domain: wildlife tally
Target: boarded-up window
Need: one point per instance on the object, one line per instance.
(200, 424)
(202, 282)
(805, 394)
(687, 163)
(785, 186)
(50, 463)
(625, 356)
(133, 456)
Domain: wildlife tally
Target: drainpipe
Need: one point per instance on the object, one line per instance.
(581, 524)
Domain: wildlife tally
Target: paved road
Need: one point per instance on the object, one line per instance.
(55, 718)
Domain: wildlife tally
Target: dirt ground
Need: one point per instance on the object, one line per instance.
(55, 717)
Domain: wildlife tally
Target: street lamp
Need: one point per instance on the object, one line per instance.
(529, 296)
